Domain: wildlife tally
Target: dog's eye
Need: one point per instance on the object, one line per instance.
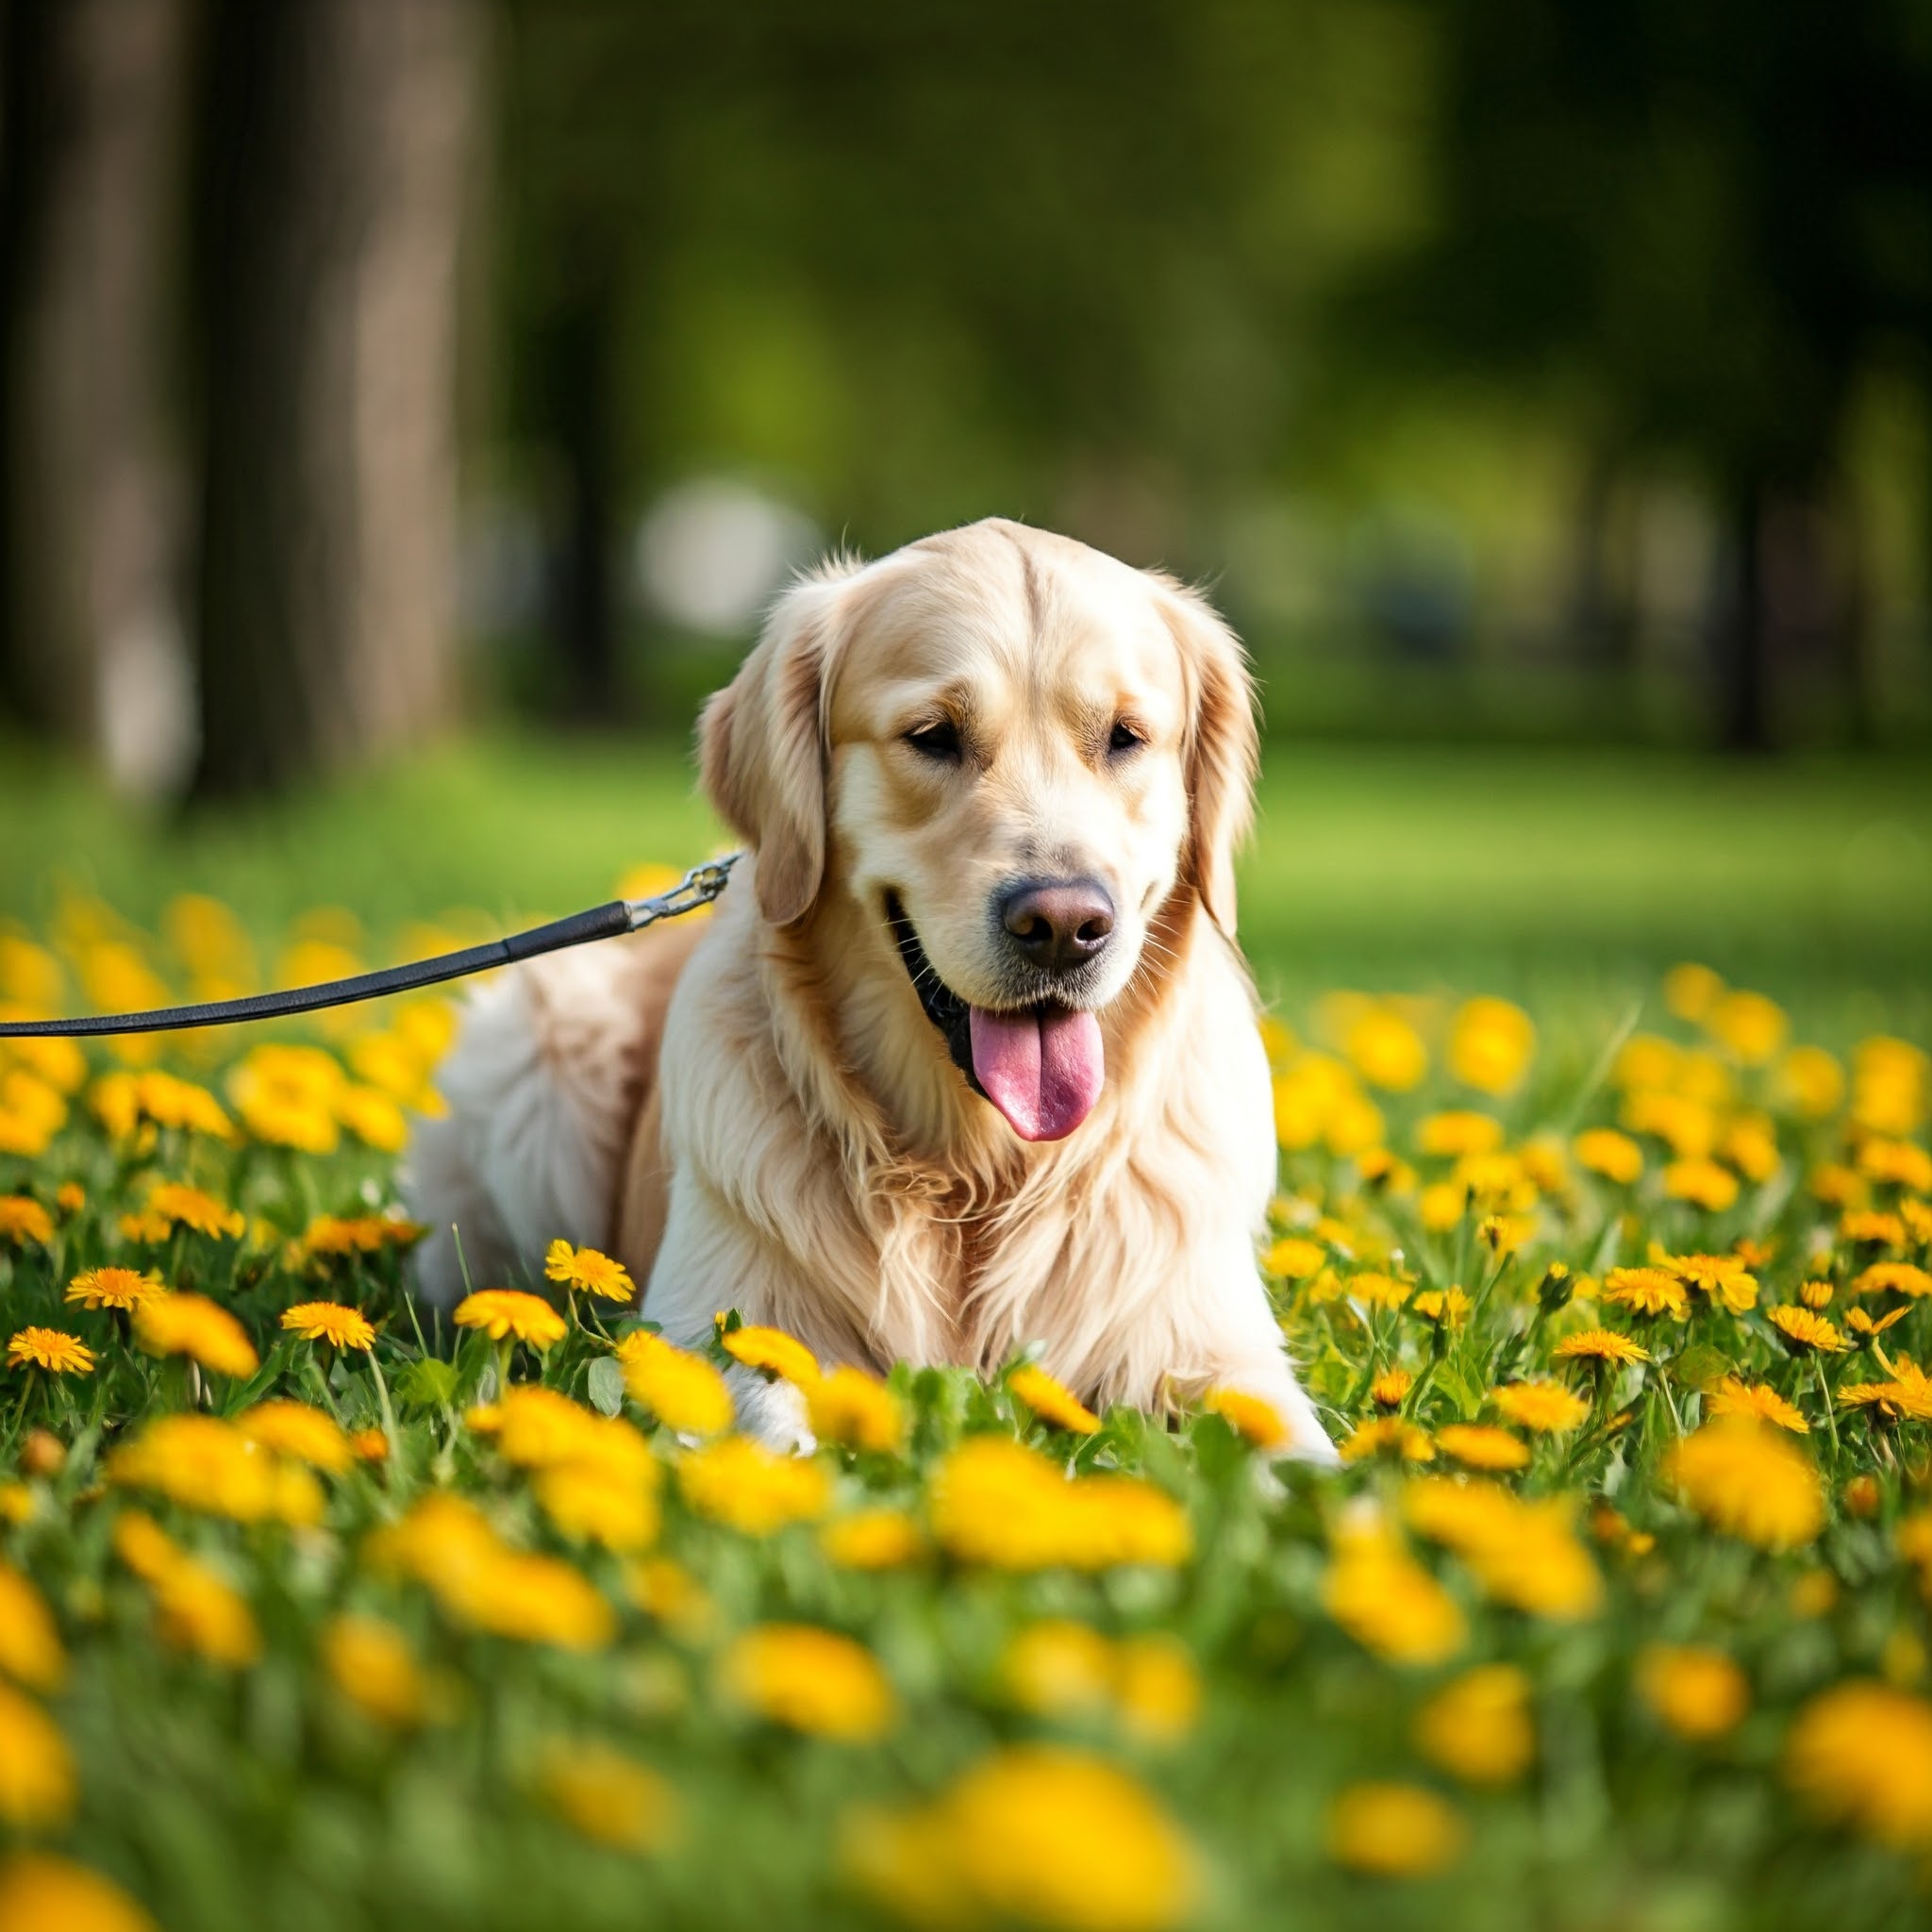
(1125, 737)
(940, 741)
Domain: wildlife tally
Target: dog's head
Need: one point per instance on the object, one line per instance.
(1009, 750)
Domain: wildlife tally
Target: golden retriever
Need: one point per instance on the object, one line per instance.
(967, 1057)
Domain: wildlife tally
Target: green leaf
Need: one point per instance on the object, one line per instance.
(604, 1384)
(429, 1382)
(1699, 1366)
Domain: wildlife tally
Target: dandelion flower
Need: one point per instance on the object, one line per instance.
(504, 1313)
(113, 1288)
(193, 1326)
(58, 1353)
(683, 1391)
(773, 1353)
(1861, 1755)
(1803, 1330)
(1481, 1446)
(1647, 1291)
(199, 1611)
(1698, 1693)
(1543, 1408)
(1052, 1401)
(1037, 1834)
(370, 1662)
(1755, 1402)
(1294, 1258)
(742, 1483)
(1601, 1345)
(588, 1503)
(1458, 1132)
(204, 1463)
(299, 1431)
(1387, 1435)
(330, 1321)
(37, 1782)
(23, 1220)
(1477, 1727)
(1390, 1389)
(30, 1648)
(1723, 1277)
(1605, 1151)
(1449, 1308)
(1491, 1045)
(1255, 1420)
(588, 1271)
(1749, 1483)
(850, 1407)
(608, 1797)
(1394, 1831)
(873, 1539)
(1388, 1602)
(1895, 1277)
(809, 1680)
(189, 1208)
(39, 1892)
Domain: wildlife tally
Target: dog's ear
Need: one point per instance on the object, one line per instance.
(761, 746)
(1223, 746)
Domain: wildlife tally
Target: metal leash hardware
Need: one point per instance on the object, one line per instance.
(698, 887)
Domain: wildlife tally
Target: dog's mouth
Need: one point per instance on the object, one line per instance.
(1043, 1065)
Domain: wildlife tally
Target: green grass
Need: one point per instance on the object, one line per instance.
(1536, 872)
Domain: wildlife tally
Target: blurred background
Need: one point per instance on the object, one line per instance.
(407, 406)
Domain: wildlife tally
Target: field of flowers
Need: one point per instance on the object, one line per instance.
(316, 1611)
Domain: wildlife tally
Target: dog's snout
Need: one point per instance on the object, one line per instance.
(1058, 923)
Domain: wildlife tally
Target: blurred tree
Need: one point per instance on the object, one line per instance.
(1690, 227)
(89, 637)
(338, 152)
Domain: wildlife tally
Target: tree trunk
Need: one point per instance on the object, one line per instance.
(340, 153)
(91, 648)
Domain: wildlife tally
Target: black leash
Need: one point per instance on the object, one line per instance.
(698, 887)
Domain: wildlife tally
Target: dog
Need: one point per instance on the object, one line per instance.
(967, 1057)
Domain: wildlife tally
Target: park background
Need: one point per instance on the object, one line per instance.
(407, 406)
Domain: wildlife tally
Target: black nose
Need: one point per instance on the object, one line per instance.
(1059, 923)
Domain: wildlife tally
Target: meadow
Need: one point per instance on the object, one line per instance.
(1603, 1237)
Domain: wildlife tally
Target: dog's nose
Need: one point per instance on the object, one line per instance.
(1060, 923)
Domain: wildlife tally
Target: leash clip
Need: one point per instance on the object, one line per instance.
(698, 887)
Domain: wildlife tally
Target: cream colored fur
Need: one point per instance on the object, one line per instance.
(803, 1148)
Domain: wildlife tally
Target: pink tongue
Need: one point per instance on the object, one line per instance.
(1043, 1069)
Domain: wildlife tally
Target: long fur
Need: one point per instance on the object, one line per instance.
(778, 1128)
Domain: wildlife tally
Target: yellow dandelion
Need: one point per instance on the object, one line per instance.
(671, 1593)
(1449, 1308)
(1702, 1182)
(1037, 1834)
(1801, 1330)
(1523, 1554)
(588, 1271)
(809, 1680)
(1491, 1044)
(1750, 1483)
(606, 1796)
(204, 1463)
(199, 1611)
(193, 1326)
(848, 1406)
(37, 1782)
(1059, 1668)
(1294, 1258)
(330, 1321)
(1052, 1401)
(1390, 1389)
(1893, 1277)
(1755, 1402)
(1481, 1446)
(1394, 1831)
(39, 1892)
(1605, 1151)
(773, 1353)
(23, 1220)
(507, 1313)
(189, 1208)
(1691, 990)
(588, 1501)
(683, 1391)
(1698, 1693)
(1600, 1345)
(1387, 1435)
(1379, 1290)
(1647, 1291)
(51, 1349)
(1816, 1295)
(299, 1431)
(370, 1662)
(1861, 1755)
(30, 1648)
(1542, 1407)
(1723, 1277)
(1388, 1602)
(873, 1539)
(1457, 1132)
(113, 1288)
(740, 1483)
(1249, 1416)
(1479, 1726)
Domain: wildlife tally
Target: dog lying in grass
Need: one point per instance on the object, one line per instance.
(967, 1057)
